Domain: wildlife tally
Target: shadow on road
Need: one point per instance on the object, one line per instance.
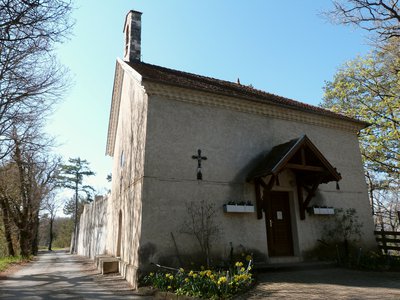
(328, 283)
(335, 276)
(59, 275)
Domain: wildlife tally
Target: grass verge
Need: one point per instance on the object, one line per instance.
(6, 262)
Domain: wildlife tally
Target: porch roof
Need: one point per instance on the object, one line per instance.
(308, 164)
(300, 155)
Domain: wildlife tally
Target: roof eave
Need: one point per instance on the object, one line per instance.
(114, 110)
(121, 69)
(360, 124)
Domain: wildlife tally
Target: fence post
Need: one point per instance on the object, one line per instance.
(384, 246)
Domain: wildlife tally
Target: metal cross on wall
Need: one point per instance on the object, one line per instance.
(199, 158)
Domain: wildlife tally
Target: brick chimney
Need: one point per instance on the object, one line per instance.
(132, 31)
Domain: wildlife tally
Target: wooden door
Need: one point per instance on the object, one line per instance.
(278, 222)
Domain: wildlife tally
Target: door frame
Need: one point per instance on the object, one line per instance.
(270, 219)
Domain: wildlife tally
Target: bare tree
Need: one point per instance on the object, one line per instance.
(387, 207)
(8, 227)
(200, 222)
(31, 80)
(380, 17)
(35, 20)
(26, 179)
(51, 206)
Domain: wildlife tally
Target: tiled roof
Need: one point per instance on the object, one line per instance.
(280, 155)
(272, 159)
(222, 87)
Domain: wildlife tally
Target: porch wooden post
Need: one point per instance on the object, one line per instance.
(262, 198)
(300, 200)
(310, 194)
(258, 199)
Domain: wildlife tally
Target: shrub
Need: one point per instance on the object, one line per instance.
(378, 262)
(344, 232)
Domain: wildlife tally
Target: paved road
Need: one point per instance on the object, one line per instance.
(58, 275)
(327, 283)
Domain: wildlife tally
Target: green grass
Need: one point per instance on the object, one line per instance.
(52, 248)
(59, 248)
(7, 261)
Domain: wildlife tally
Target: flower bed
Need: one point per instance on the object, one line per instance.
(207, 284)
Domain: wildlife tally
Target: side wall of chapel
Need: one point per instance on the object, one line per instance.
(125, 209)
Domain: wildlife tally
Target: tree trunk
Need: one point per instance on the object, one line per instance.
(51, 232)
(35, 235)
(75, 237)
(7, 230)
(371, 198)
(25, 242)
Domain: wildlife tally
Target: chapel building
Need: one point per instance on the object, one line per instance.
(275, 170)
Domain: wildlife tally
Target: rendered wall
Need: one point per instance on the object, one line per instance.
(233, 141)
(93, 227)
(154, 175)
(125, 209)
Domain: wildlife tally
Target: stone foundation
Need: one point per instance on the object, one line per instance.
(130, 273)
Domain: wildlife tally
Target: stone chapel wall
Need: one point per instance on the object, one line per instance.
(125, 211)
(233, 140)
(93, 228)
(113, 227)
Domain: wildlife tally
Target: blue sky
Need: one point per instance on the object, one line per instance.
(282, 47)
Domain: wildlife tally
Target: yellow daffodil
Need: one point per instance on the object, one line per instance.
(221, 280)
(239, 264)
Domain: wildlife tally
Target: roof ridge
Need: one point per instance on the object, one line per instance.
(208, 78)
(213, 79)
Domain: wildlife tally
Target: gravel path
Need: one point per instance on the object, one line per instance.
(58, 275)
